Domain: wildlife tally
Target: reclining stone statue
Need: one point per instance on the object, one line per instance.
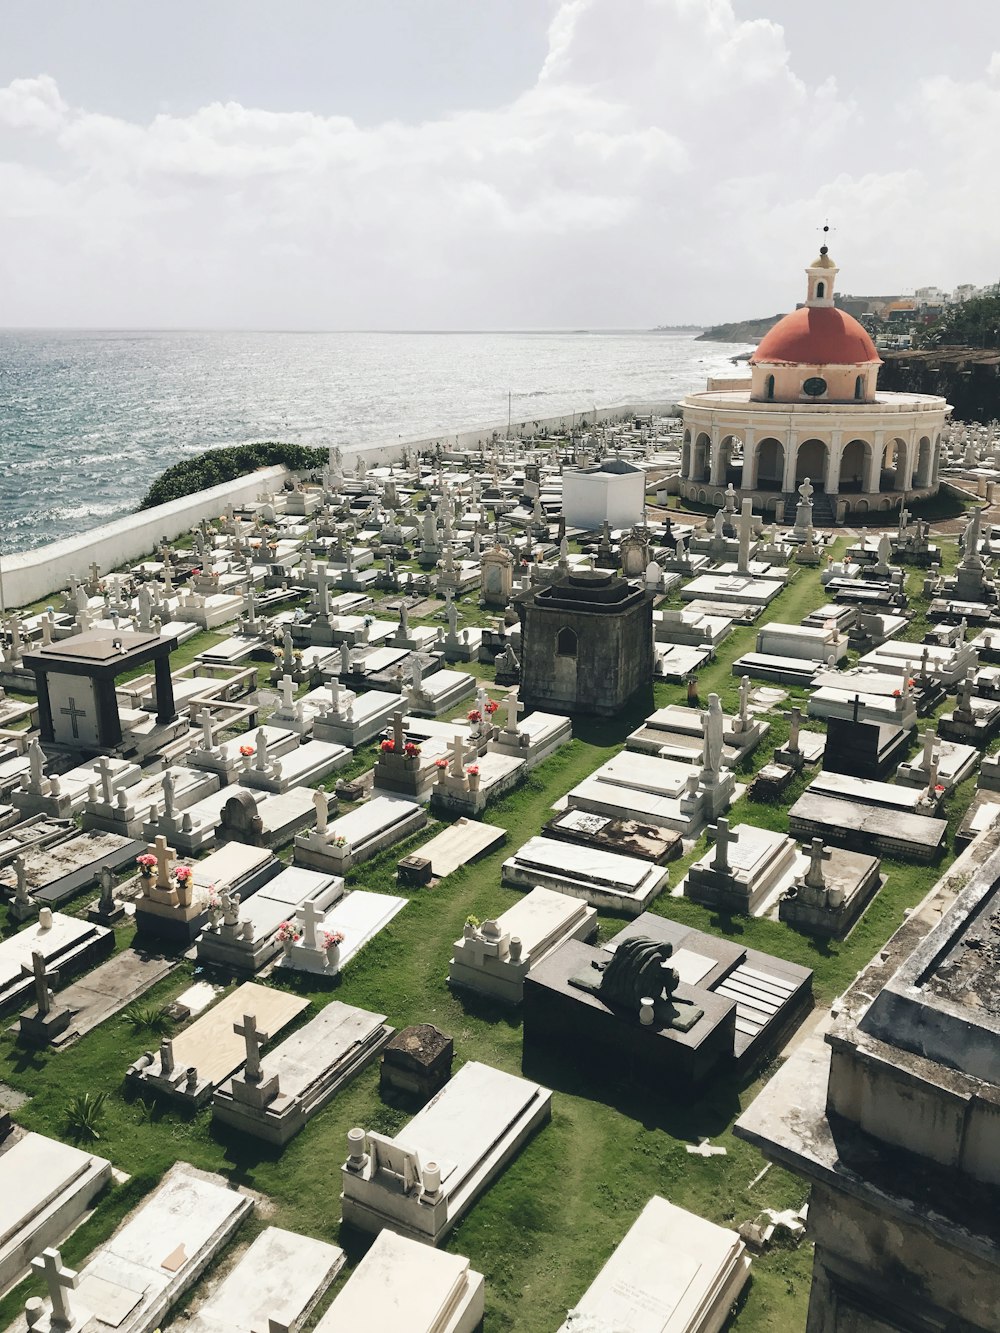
(636, 971)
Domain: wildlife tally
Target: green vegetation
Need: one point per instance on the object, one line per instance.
(542, 1231)
(972, 323)
(218, 465)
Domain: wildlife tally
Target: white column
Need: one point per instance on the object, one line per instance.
(873, 464)
(749, 461)
(715, 474)
(835, 448)
(791, 458)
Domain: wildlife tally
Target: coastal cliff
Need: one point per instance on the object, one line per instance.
(969, 377)
(744, 330)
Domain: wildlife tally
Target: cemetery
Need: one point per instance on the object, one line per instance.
(402, 837)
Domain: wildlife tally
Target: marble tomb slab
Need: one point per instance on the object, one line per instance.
(57, 872)
(605, 880)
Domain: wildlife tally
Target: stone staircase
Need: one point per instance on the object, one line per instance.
(824, 514)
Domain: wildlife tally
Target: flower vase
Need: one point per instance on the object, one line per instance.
(333, 957)
(473, 781)
(286, 947)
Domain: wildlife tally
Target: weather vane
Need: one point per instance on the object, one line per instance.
(825, 229)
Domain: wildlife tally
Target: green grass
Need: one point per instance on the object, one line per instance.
(542, 1231)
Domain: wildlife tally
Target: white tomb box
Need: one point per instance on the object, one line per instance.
(422, 1182)
(673, 1273)
(401, 1286)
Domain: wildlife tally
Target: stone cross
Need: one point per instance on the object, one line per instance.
(815, 879)
(929, 739)
(323, 585)
(164, 856)
(322, 810)
(205, 718)
(334, 687)
(287, 687)
(60, 1282)
(40, 977)
(74, 714)
(254, 1040)
(166, 1057)
(514, 708)
(724, 836)
(458, 755)
(311, 915)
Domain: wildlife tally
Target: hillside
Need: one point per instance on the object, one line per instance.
(745, 330)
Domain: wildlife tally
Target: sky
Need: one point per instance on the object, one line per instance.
(486, 164)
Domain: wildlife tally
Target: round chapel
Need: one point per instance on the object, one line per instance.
(812, 409)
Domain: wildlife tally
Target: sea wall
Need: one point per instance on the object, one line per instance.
(28, 576)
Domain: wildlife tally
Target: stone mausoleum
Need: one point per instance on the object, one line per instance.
(587, 644)
(812, 409)
(892, 1116)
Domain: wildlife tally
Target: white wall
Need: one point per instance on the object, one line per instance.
(30, 575)
(591, 497)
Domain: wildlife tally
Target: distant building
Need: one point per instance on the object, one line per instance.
(812, 410)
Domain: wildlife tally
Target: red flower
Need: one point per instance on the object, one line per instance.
(473, 770)
(474, 715)
(411, 750)
(388, 746)
(492, 707)
(896, 694)
(440, 763)
(246, 751)
(939, 787)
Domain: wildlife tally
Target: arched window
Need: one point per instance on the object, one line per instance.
(859, 388)
(769, 385)
(566, 643)
(820, 290)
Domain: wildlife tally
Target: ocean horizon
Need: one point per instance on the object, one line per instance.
(89, 418)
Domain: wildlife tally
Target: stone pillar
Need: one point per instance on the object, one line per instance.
(791, 459)
(165, 710)
(716, 475)
(44, 706)
(831, 482)
(109, 729)
(749, 482)
(873, 465)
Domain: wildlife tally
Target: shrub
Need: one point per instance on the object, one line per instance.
(147, 1018)
(84, 1113)
(219, 465)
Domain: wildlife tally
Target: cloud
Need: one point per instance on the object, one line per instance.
(667, 162)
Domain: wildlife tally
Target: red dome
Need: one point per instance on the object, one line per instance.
(817, 336)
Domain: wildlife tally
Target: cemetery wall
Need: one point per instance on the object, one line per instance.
(27, 576)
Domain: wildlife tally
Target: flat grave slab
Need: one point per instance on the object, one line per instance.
(210, 1046)
(69, 944)
(45, 1189)
(468, 1133)
(359, 834)
(460, 843)
(359, 916)
(281, 1277)
(57, 872)
(605, 880)
(402, 1286)
(302, 1074)
(108, 989)
(248, 942)
(732, 589)
(674, 1272)
(155, 1256)
(32, 835)
(879, 830)
(649, 842)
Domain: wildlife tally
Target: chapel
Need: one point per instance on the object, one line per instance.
(812, 409)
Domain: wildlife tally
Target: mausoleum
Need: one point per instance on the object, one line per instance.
(812, 409)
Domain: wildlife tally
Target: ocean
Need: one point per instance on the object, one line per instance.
(88, 419)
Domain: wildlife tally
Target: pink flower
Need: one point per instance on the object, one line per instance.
(473, 770)
(146, 860)
(246, 751)
(411, 750)
(440, 763)
(183, 874)
(332, 937)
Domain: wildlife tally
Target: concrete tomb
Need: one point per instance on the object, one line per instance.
(325, 943)
(153, 1258)
(401, 1286)
(296, 1079)
(423, 1180)
(607, 881)
(189, 1066)
(357, 835)
(244, 936)
(495, 957)
(674, 1272)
